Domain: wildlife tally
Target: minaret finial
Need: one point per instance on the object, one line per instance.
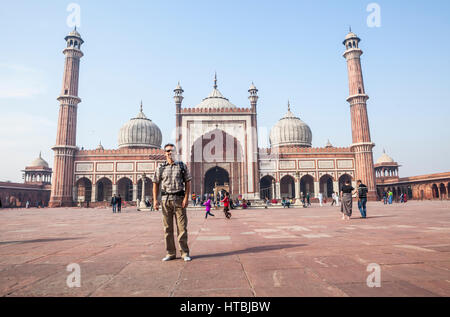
(384, 151)
(215, 80)
(40, 152)
(141, 105)
(289, 106)
(349, 28)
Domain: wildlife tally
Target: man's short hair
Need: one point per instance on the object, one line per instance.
(168, 144)
(358, 181)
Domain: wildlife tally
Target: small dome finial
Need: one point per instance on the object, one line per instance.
(350, 28)
(141, 106)
(215, 80)
(289, 106)
(40, 153)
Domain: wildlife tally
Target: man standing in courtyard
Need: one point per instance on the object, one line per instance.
(114, 203)
(175, 182)
(362, 198)
(119, 204)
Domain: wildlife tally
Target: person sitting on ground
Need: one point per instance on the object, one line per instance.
(244, 204)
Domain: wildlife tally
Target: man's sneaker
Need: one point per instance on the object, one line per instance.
(187, 259)
(169, 258)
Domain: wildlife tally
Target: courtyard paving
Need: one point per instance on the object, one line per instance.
(259, 252)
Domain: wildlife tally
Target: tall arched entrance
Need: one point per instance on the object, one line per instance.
(104, 189)
(307, 185)
(218, 149)
(266, 187)
(287, 187)
(443, 191)
(125, 189)
(213, 176)
(435, 191)
(84, 190)
(326, 186)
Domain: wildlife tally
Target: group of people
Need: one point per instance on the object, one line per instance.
(174, 180)
(116, 203)
(388, 197)
(334, 199)
(226, 206)
(347, 193)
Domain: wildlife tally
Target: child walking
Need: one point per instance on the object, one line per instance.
(208, 208)
(226, 205)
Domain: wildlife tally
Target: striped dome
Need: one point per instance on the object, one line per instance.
(140, 132)
(290, 131)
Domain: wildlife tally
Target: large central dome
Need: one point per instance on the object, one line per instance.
(290, 131)
(215, 100)
(140, 132)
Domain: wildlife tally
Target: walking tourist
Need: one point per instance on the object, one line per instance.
(347, 201)
(336, 195)
(333, 197)
(119, 204)
(320, 199)
(391, 196)
(384, 197)
(174, 180)
(194, 199)
(362, 198)
(308, 199)
(208, 208)
(114, 203)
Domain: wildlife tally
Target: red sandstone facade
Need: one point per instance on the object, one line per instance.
(93, 176)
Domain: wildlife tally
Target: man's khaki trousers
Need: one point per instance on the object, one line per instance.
(171, 208)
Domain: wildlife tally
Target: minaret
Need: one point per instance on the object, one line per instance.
(65, 147)
(253, 102)
(362, 144)
(178, 97)
(253, 96)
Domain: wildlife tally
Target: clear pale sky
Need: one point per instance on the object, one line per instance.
(290, 49)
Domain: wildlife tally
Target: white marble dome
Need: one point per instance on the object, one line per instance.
(215, 100)
(140, 132)
(290, 131)
(39, 162)
(384, 158)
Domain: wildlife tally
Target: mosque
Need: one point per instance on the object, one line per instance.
(217, 140)
(219, 143)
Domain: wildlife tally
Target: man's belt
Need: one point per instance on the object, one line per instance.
(180, 193)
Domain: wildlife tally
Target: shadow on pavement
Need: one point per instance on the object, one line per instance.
(250, 250)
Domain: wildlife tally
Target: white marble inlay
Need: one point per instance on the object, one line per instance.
(313, 236)
(413, 247)
(294, 228)
(284, 236)
(267, 230)
(214, 238)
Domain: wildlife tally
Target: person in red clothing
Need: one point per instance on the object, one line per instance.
(226, 205)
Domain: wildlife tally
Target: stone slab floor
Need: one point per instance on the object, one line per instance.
(259, 252)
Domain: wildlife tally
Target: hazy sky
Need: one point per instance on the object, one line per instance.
(290, 49)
